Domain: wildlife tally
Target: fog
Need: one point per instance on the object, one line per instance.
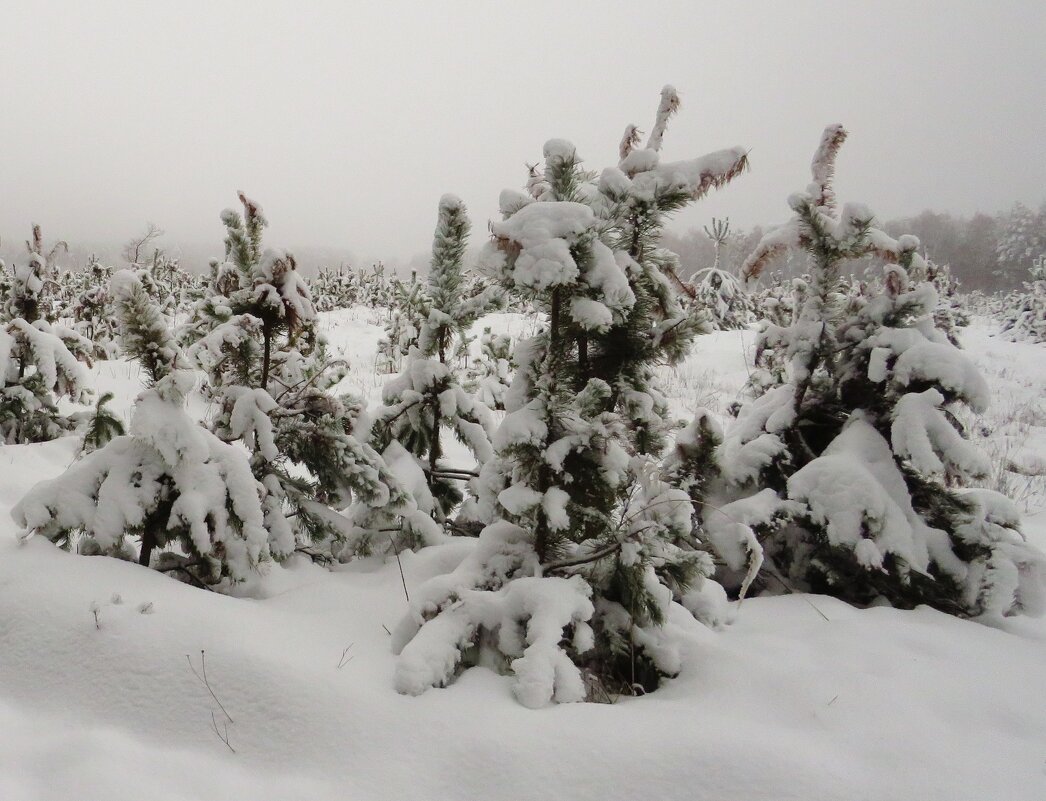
(348, 121)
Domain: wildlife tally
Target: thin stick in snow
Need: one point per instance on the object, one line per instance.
(403, 578)
(343, 661)
(777, 575)
(224, 737)
(203, 679)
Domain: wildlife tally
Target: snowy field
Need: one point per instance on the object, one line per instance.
(800, 697)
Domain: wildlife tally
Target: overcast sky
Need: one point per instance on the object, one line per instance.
(348, 120)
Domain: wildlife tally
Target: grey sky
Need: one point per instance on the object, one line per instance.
(347, 121)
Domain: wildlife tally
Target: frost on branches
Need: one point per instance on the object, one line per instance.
(588, 543)
(270, 374)
(189, 498)
(39, 361)
(847, 472)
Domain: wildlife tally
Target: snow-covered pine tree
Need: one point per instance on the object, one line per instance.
(1022, 241)
(1024, 317)
(144, 330)
(403, 328)
(170, 482)
(375, 288)
(490, 375)
(778, 299)
(427, 399)
(101, 426)
(718, 290)
(31, 282)
(91, 308)
(39, 362)
(271, 376)
(951, 313)
(579, 562)
(637, 198)
(851, 467)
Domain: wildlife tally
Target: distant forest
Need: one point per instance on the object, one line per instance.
(986, 253)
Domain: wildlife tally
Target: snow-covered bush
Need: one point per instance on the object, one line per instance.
(335, 288)
(850, 467)
(778, 299)
(586, 543)
(169, 482)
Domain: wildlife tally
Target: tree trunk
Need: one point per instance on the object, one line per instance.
(266, 354)
(584, 368)
(148, 544)
(435, 452)
(542, 532)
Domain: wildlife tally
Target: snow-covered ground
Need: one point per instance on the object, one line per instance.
(801, 697)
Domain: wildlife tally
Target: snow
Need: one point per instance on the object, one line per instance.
(855, 489)
(518, 498)
(545, 232)
(692, 176)
(777, 703)
(947, 365)
(752, 443)
(60, 370)
(112, 490)
(921, 434)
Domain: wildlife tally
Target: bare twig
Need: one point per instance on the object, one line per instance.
(206, 683)
(184, 568)
(777, 575)
(344, 661)
(399, 563)
(222, 735)
(594, 556)
(450, 472)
